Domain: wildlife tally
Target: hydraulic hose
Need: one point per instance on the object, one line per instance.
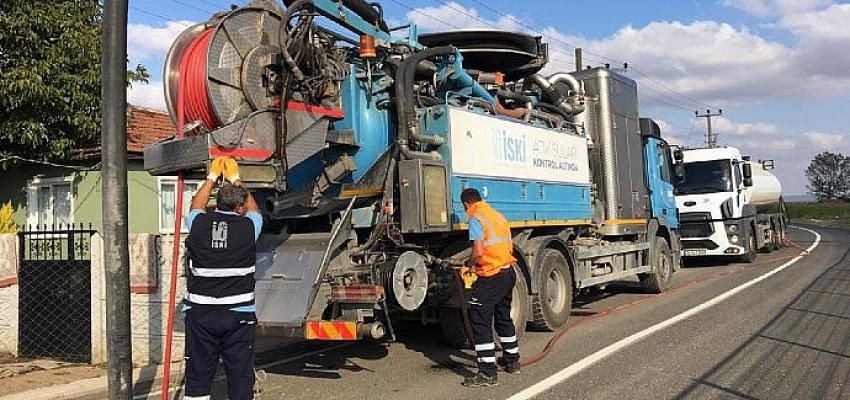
(406, 112)
(361, 8)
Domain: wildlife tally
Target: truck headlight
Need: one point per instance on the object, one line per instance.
(733, 238)
(732, 228)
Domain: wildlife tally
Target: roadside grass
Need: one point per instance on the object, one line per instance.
(823, 214)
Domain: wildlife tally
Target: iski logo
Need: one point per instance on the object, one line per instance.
(509, 148)
(219, 235)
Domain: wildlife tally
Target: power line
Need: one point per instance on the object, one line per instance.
(425, 14)
(158, 16)
(184, 4)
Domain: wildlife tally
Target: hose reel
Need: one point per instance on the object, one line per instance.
(229, 67)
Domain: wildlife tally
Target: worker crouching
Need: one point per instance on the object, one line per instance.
(490, 304)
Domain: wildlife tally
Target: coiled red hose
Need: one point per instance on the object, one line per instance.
(193, 79)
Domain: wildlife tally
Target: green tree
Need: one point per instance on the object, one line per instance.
(50, 78)
(829, 176)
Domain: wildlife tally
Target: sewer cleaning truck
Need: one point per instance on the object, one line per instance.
(357, 138)
(729, 206)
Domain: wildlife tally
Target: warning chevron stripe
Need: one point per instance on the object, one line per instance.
(330, 330)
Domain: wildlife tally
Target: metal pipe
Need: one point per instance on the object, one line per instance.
(571, 81)
(116, 250)
(413, 154)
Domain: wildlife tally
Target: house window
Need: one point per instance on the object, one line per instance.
(168, 201)
(49, 202)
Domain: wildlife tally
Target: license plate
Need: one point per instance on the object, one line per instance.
(694, 252)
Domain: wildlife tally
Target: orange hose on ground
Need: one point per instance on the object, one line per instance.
(551, 343)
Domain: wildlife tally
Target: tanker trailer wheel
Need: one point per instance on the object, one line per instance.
(552, 304)
(661, 263)
(750, 256)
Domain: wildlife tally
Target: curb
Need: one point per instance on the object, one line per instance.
(96, 387)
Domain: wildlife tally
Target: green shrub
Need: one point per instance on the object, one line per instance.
(7, 220)
(831, 210)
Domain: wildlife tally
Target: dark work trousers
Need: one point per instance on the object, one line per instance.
(491, 298)
(212, 333)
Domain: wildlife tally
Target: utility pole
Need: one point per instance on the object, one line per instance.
(116, 257)
(710, 137)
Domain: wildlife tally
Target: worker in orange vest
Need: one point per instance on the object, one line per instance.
(492, 259)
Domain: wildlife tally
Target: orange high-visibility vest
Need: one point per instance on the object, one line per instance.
(498, 247)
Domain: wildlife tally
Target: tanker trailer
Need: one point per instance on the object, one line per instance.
(729, 206)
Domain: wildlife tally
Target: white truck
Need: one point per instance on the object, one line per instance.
(728, 205)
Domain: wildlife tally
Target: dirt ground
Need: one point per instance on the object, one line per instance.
(19, 375)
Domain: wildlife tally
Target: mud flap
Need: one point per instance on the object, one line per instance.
(289, 269)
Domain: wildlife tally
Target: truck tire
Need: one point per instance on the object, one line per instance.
(452, 324)
(750, 256)
(552, 303)
(661, 262)
(519, 304)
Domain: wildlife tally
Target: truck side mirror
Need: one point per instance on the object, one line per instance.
(748, 172)
(767, 165)
(679, 172)
(678, 155)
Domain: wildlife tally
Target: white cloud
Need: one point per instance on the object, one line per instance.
(769, 8)
(452, 16)
(713, 62)
(724, 125)
(149, 95)
(146, 42)
(825, 141)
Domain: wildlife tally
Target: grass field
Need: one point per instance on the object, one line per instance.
(829, 214)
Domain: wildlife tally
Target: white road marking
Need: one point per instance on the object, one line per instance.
(586, 362)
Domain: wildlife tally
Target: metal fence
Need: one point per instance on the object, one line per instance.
(55, 293)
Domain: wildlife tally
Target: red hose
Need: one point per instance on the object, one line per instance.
(193, 82)
(192, 103)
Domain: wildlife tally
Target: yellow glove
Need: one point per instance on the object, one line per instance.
(231, 170)
(216, 168)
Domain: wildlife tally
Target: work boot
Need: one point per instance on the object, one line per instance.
(480, 380)
(510, 366)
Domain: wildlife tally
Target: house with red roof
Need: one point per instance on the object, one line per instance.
(61, 194)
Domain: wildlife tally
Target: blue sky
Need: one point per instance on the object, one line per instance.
(779, 69)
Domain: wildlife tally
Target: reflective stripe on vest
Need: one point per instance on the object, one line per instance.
(221, 272)
(201, 299)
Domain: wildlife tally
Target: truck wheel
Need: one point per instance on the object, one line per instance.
(552, 304)
(750, 256)
(661, 262)
(519, 305)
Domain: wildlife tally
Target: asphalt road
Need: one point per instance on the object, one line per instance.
(786, 336)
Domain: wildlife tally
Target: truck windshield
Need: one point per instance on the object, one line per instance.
(706, 177)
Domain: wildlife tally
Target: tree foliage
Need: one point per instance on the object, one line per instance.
(829, 176)
(50, 77)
